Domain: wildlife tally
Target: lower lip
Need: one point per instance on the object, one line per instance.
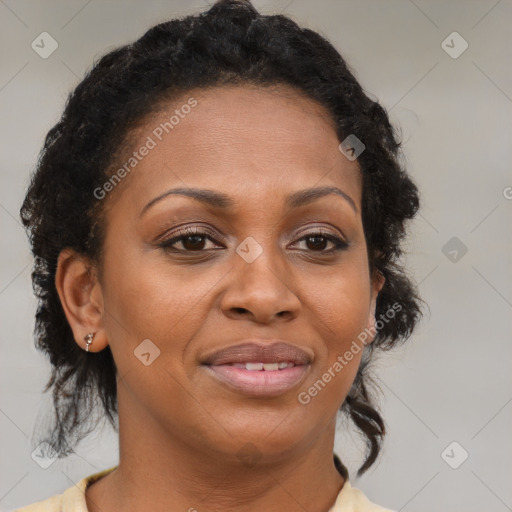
(260, 383)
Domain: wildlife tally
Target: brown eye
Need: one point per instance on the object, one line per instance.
(191, 240)
(317, 242)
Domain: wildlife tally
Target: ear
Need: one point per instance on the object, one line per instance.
(378, 281)
(81, 298)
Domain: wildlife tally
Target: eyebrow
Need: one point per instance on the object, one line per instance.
(221, 200)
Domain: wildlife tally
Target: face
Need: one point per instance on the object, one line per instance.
(265, 261)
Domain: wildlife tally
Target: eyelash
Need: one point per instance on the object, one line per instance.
(339, 244)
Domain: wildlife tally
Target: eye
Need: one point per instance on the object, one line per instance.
(318, 241)
(194, 239)
(191, 239)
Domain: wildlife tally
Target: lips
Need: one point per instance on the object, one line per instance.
(259, 369)
(252, 352)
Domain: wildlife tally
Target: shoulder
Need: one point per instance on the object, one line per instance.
(71, 500)
(53, 504)
(352, 499)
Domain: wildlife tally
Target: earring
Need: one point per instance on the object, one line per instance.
(88, 340)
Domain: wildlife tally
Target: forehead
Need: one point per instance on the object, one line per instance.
(247, 141)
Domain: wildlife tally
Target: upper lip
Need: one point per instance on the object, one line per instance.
(264, 351)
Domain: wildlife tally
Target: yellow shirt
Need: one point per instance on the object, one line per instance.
(350, 499)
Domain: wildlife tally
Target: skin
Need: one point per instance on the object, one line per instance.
(181, 430)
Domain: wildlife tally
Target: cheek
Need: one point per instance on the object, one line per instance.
(341, 313)
(152, 300)
(339, 304)
(340, 301)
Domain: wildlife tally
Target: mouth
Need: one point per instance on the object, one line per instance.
(259, 370)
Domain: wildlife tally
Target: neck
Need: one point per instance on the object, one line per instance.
(158, 469)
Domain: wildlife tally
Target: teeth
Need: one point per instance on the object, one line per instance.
(254, 366)
(269, 367)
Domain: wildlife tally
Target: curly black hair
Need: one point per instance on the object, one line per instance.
(230, 43)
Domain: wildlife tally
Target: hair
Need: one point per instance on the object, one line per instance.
(231, 43)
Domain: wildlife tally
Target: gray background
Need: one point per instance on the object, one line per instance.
(452, 380)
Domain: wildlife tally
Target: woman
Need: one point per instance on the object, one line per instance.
(216, 221)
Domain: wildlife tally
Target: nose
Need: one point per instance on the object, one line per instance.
(259, 291)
